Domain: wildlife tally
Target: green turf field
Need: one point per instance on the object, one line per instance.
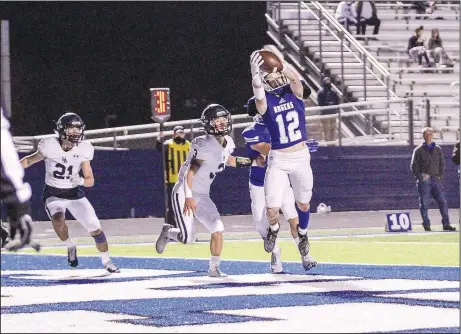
(416, 249)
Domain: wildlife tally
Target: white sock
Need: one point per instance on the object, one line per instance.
(104, 257)
(173, 233)
(276, 249)
(302, 231)
(296, 241)
(275, 227)
(69, 243)
(214, 261)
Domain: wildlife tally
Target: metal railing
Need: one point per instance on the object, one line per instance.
(121, 138)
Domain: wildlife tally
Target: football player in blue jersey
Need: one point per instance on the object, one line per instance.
(279, 100)
(258, 144)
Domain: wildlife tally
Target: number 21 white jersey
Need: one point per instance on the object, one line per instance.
(214, 156)
(59, 164)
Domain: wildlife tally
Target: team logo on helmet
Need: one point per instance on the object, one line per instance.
(70, 127)
(216, 120)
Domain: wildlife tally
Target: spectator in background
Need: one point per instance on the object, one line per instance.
(455, 156)
(346, 14)
(176, 151)
(416, 48)
(455, 159)
(427, 164)
(367, 15)
(326, 96)
(437, 51)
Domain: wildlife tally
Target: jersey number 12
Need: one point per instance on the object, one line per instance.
(292, 120)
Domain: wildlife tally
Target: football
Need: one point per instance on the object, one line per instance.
(270, 61)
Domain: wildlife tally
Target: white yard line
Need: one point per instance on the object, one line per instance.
(237, 260)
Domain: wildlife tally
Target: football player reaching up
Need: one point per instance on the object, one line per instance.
(65, 155)
(279, 100)
(209, 154)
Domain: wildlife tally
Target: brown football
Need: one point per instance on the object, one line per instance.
(270, 61)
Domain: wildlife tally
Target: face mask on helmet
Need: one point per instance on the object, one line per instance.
(216, 120)
(273, 81)
(70, 128)
(74, 133)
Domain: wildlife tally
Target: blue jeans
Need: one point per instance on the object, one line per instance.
(426, 190)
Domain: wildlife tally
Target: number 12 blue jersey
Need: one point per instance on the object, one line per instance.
(285, 118)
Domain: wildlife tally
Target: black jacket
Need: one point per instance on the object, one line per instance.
(359, 9)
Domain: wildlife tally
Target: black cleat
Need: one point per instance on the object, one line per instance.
(72, 257)
(269, 240)
(427, 228)
(449, 228)
(303, 245)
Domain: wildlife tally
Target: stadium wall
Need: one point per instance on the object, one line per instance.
(349, 178)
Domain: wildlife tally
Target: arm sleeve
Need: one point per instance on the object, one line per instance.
(256, 134)
(42, 148)
(198, 149)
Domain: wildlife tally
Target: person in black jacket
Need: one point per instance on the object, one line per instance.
(427, 164)
(326, 96)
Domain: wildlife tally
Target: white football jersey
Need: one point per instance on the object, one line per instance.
(214, 156)
(60, 164)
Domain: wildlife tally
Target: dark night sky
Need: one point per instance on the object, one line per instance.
(98, 57)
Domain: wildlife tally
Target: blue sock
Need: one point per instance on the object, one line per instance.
(303, 218)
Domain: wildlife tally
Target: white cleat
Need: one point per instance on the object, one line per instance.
(276, 263)
(215, 272)
(308, 262)
(163, 239)
(111, 267)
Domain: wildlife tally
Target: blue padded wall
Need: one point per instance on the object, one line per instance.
(347, 178)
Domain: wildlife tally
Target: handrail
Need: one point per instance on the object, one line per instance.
(110, 131)
(235, 126)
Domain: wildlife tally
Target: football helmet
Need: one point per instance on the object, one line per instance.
(70, 127)
(209, 119)
(258, 119)
(273, 81)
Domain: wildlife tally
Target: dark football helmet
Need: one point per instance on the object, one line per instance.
(209, 116)
(70, 127)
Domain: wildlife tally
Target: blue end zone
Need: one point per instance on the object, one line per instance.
(162, 312)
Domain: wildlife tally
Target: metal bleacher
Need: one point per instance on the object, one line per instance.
(373, 67)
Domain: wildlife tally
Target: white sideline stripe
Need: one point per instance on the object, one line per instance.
(237, 260)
